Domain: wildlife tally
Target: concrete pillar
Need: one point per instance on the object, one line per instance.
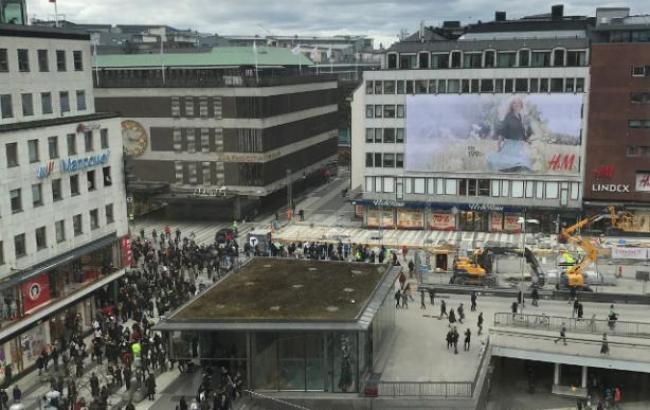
(583, 383)
(556, 374)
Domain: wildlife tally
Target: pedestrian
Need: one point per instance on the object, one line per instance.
(480, 323)
(405, 299)
(402, 280)
(562, 334)
(398, 297)
(450, 339)
(455, 337)
(604, 347)
(129, 406)
(422, 305)
(407, 290)
(443, 309)
(452, 316)
(411, 267)
(94, 385)
(617, 397)
(520, 299)
(432, 296)
(514, 307)
(472, 299)
(468, 336)
(4, 399)
(535, 296)
(151, 387)
(17, 394)
(183, 404)
(580, 311)
(575, 307)
(302, 214)
(461, 313)
(573, 292)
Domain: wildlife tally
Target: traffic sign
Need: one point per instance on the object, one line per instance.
(253, 241)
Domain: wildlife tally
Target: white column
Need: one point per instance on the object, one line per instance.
(556, 374)
(584, 377)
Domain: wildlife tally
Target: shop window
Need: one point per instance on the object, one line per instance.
(57, 193)
(41, 239)
(106, 173)
(12, 154)
(399, 135)
(90, 177)
(16, 200)
(370, 111)
(450, 187)
(389, 87)
(19, 245)
(77, 225)
(418, 186)
(59, 228)
(551, 190)
(389, 184)
(484, 187)
(370, 135)
(539, 190)
(517, 189)
(74, 185)
(496, 185)
(389, 111)
(94, 219)
(490, 58)
(378, 87)
(369, 184)
(440, 60)
(399, 160)
(530, 189)
(421, 86)
(575, 191)
(389, 135)
(37, 195)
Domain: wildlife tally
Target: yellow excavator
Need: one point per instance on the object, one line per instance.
(622, 221)
(477, 270)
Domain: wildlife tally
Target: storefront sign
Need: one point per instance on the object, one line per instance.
(629, 253)
(511, 223)
(496, 222)
(372, 218)
(36, 292)
(127, 255)
(89, 126)
(407, 218)
(604, 172)
(443, 222)
(72, 165)
(643, 182)
(619, 188)
(387, 203)
(485, 207)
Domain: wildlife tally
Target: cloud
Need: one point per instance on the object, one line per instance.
(381, 19)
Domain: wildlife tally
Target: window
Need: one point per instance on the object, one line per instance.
(471, 187)
(524, 58)
(37, 195)
(456, 58)
(580, 85)
(389, 87)
(557, 85)
(16, 200)
(399, 160)
(77, 225)
(551, 190)
(64, 101)
(378, 159)
(43, 61)
(432, 87)
(575, 191)
(32, 147)
(369, 184)
(389, 160)
(431, 186)
(407, 62)
(57, 194)
(72, 144)
(498, 85)
(464, 86)
(487, 86)
(489, 58)
(521, 85)
(389, 184)
(539, 190)
(369, 87)
(189, 106)
(558, 58)
(41, 239)
(6, 107)
(81, 100)
(176, 106)
(462, 187)
(509, 85)
(530, 189)
(110, 218)
(60, 60)
(634, 123)
(472, 60)
(418, 186)
(88, 141)
(496, 184)
(4, 60)
(505, 188)
(46, 103)
(389, 135)
(440, 60)
(517, 189)
(569, 85)
(453, 86)
(450, 187)
(576, 58)
(369, 158)
(59, 231)
(534, 85)
(12, 154)
(400, 111)
(399, 135)
(409, 87)
(392, 61)
(90, 176)
(541, 59)
(400, 88)
(203, 107)
(53, 147)
(74, 185)
(370, 111)
(23, 60)
(440, 186)
(378, 111)
(640, 98)
(370, 135)
(378, 184)
(389, 111)
(423, 60)
(507, 59)
(77, 61)
(421, 86)
(379, 132)
(442, 86)
(484, 187)
(94, 219)
(19, 245)
(106, 173)
(638, 71)
(377, 87)
(543, 85)
(27, 103)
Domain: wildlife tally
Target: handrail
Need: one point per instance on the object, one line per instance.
(481, 362)
(424, 388)
(590, 326)
(572, 339)
(278, 404)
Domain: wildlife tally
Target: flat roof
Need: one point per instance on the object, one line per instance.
(19, 30)
(269, 293)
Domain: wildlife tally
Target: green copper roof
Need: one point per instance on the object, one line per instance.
(219, 57)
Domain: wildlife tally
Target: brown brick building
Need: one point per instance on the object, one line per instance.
(618, 149)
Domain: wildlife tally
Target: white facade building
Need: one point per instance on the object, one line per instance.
(498, 61)
(63, 207)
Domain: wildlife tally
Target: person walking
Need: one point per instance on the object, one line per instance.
(455, 337)
(461, 313)
(480, 323)
(450, 339)
(402, 280)
(398, 297)
(562, 334)
(432, 296)
(472, 299)
(17, 394)
(575, 308)
(422, 304)
(443, 309)
(580, 311)
(468, 336)
(151, 387)
(405, 299)
(129, 406)
(514, 307)
(452, 317)
(604, 346)
(182, 405)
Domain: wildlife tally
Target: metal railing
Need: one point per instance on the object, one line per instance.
(425, 389)
(555, 323)
(271, 403)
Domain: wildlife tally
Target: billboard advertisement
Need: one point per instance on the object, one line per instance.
(494, 133)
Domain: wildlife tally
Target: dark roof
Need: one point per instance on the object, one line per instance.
(16, 30)
(27, 125)
(532, 24)
(498, 45)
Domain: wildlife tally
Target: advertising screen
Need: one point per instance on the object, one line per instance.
(495, 133)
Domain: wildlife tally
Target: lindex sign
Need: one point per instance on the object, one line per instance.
(618, 188)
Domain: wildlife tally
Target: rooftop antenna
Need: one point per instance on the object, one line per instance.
(421, 33)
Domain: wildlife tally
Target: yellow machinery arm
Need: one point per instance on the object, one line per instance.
(575, 273)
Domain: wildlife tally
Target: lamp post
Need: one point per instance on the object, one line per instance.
(523, 221)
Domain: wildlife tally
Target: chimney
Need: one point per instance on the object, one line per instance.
(557, 12)
(499, 16)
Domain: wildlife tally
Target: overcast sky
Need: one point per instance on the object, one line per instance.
(381, 19)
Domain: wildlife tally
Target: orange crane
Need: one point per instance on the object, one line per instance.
(574, 276)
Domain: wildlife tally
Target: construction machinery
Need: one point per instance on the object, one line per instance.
(622, 222)
(478, 269)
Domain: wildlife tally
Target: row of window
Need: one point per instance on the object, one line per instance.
(384, 160)
(385, 135)
(33, 147)
(189, 104)
(487, 59)
(640, 70)
(473, 187)
(187, 138)
(629, 36)
(43, 59)
(16, 196)
(385, 111)
(27, 103)
(41, 237)
(489, 85)
(637, 151)
(640, 98)
(188, 173)
(644, 123)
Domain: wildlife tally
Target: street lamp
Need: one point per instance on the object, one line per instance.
(523, 221)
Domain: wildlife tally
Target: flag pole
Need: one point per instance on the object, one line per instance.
(162, 63)
(95, 57)
(257, 77)
(56, 15)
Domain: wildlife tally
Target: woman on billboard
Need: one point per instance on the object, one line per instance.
(513, 146)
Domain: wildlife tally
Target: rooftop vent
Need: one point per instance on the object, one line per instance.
(451, 24)
(557, 11)
(499, 16)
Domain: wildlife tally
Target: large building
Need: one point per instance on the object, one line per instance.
(618, 153)
(219, 134)
(473, 127)
(63, 217)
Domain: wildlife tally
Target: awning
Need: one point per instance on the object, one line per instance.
(52, 263)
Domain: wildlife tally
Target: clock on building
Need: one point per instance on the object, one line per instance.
(134, 137)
